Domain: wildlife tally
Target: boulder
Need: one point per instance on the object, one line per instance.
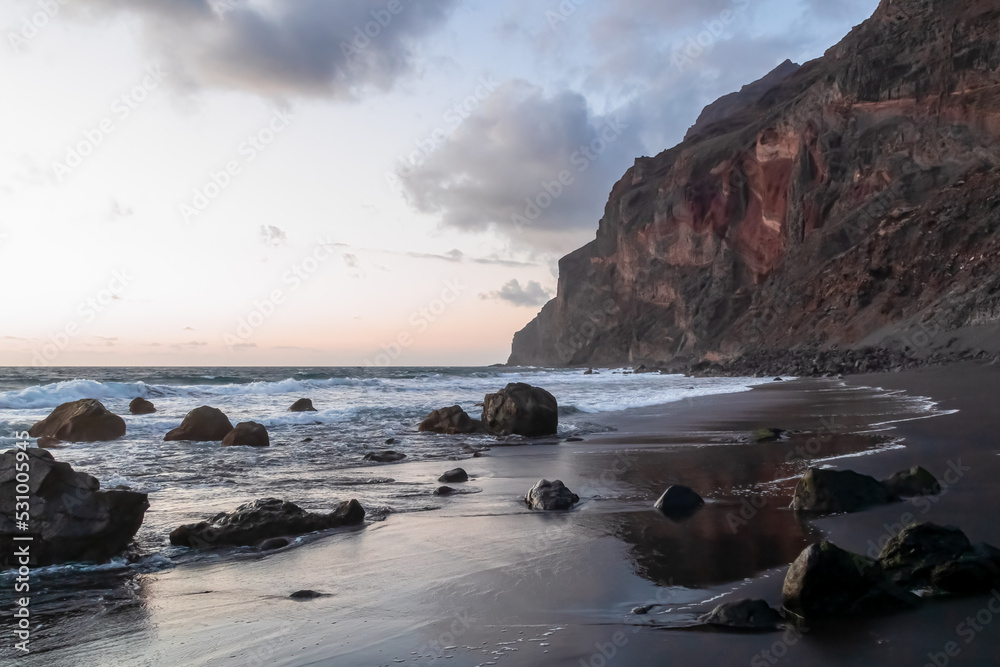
(821, 490)
(202, 424)
(247, 434)
(450, 421)
(454, 476)
(85, 420)
(520, 409)
(827, 581)
(913, 482)
(744, 615)
(385, 457)
(926, 554)
(546, 495)
(71, 519)
(678, 501)
(302, 405)
(252, 523)
(140, 406)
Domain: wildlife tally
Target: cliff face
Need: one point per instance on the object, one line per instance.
(856, 201)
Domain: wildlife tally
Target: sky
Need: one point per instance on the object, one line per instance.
(324, 182)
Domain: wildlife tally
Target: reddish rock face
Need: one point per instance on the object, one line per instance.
(856, 200)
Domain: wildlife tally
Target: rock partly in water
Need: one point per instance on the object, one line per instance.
(247, 434)
(444, 491)
(450, 421)
(274, 543)
(302, 405)
(204, 424)
(768, 434)
(140, 406)
(913, 482)
(546, 495)
(454, 476)
(679, 502)
(826, 581)
(744, 615)
(252, 523)
(388, 456)
(307, 595)
(821, 490)
(85, 420)
(71, 519)
(926, 554)
(520, 409)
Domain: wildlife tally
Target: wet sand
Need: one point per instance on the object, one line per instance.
(482, 580)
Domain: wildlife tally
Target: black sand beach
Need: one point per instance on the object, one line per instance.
(486, 581)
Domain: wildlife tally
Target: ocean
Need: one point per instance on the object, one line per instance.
(316, 458)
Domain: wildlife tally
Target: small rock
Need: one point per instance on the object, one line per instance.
(454, 476)
(274, 543)
(390, 441)
(546, 495)
(768, 434)
(444, 491)
(302, 405)
(204, 424)
(307, 440)
(744, 615)
(450, 421)
(679, 502)
(140, 406)
(388, 456)
(779, 379)
(573, 439)
(307, 595)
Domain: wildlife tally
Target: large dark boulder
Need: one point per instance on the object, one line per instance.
(457, 475)
(70, 518)
(520, 409)
(913, 482)
(546, 495)
(821, 490)
(826, 581)
(86, 420)
(255, 522)
(942, 557)
(302, 405)
(140, 406)
(450, 421)
(678, 501)
(202, 424)
(247, 434)
(744, 615)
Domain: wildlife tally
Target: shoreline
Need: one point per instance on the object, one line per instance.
(488, 578)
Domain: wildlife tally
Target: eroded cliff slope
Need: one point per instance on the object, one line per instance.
(857, 202)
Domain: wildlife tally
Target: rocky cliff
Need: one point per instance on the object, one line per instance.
(856, 202)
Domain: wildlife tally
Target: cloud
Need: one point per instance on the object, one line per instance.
(276, 47)
(529, 165)
(531, 295)
(273, 236)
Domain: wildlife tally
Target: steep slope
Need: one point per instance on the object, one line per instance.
(858, 201)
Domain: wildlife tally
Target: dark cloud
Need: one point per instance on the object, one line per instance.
(531, 295)
(530, 165)
(277, 47)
